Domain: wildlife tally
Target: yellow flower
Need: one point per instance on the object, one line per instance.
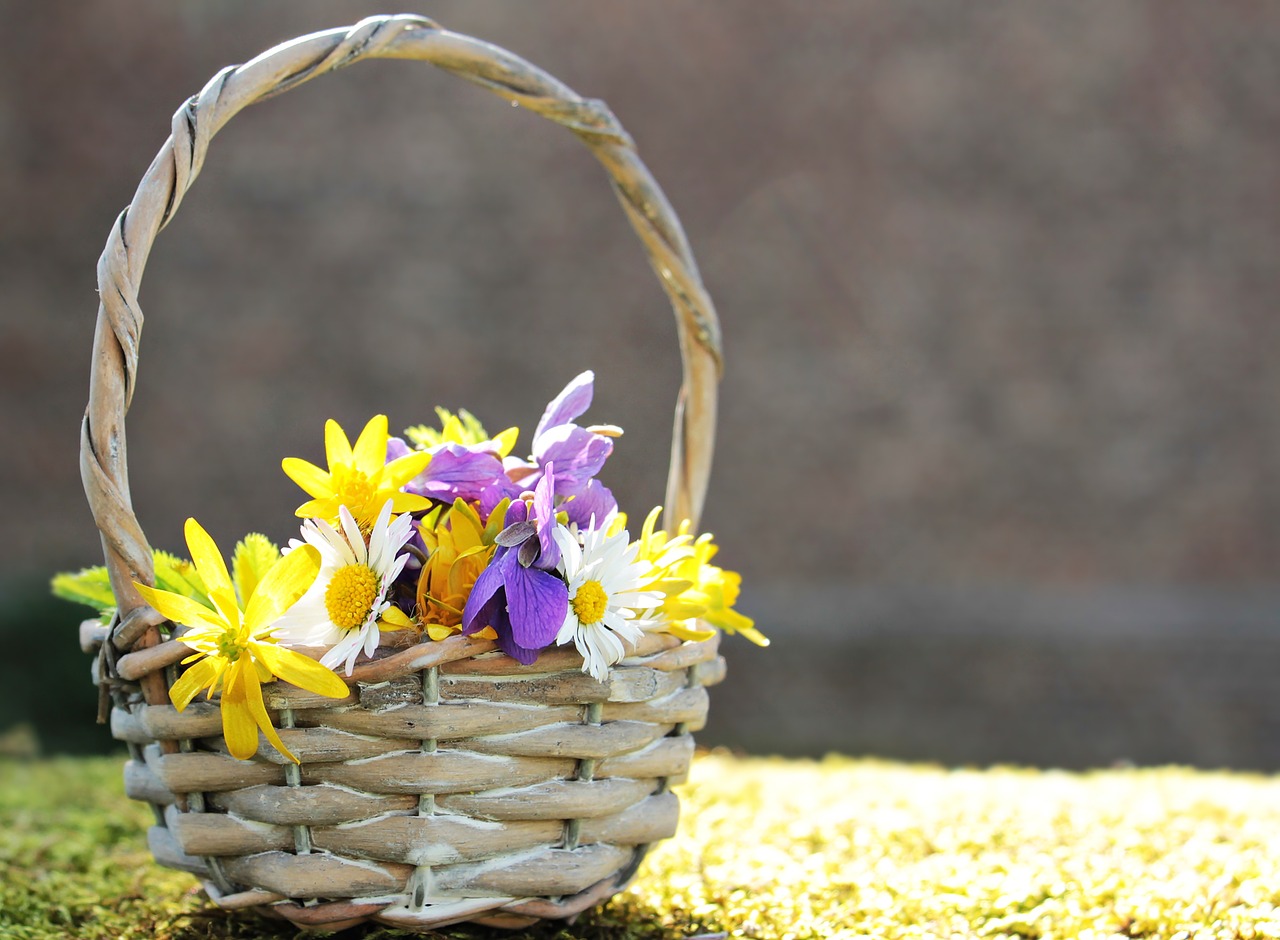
(696, 590)
(359, 478)
(235, 652)
(461, 428)
(460, 548)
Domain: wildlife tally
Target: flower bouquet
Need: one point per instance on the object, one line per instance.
(462, 691)
(438, 534)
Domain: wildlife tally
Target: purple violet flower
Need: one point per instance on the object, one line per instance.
(576, 453)
(458, 471)
(519, 594)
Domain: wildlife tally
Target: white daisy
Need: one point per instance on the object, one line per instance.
(348, 602)
(605, 582)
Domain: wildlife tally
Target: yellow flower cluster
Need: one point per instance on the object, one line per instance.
(698, 594)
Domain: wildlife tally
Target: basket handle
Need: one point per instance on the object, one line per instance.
(103, 464)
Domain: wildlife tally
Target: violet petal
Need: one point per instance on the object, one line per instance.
(577, 453)
(518, 511)
(573, 400)
(594, 499)
(457, 472)
(521, 654)
(485, 591)
(536, 602)
(397, 448)
(544, 506)
(489, 500)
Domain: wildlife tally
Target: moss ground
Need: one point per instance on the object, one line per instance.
(767, 848)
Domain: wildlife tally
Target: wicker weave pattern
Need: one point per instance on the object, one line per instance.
(452, 784)
(433, 795)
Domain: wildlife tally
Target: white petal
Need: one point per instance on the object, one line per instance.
(570, 552)
(610, 646)
(354, 537)
(397, 566)
(568, 629)
(345, 649)
(594, 664)
(377, 545)
(331, 544)
(399, 532)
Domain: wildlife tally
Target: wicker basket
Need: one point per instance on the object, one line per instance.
(452, 784)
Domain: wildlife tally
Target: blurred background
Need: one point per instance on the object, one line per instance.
(998, 451)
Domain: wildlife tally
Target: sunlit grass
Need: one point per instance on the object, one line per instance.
(767, 848)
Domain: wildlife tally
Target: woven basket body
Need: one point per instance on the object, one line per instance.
(452, 784)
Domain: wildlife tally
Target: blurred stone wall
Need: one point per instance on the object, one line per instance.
(998, 282)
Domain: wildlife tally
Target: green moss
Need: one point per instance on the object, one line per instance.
(767, 848)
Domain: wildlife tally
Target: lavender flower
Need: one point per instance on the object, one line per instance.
(570, 455)
(519, 594)
(470, 472)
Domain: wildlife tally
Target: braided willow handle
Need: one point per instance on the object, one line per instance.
(103, 464)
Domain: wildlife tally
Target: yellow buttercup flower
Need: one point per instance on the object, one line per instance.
(460, 548)
(711, 598)
(696, 591)
(359, 478)
(235, 651)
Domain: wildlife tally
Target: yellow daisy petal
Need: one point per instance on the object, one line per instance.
(403, 469)
(686, 632)
(207, 558)
(370, 453)
(228, 606)
(238, 726)
(285, 582)
(463, 512)
(439, 632)
(258, 713)
(393, 618)
(650, 523)
(408, 502)
(181, 609)
(506, 440)
(300, 670)
(325, 508)
(337, 449)
(199, 677)
(308, 476)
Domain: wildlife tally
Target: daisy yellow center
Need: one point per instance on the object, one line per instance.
(354, 490)
(349, 596)
(590, 602)
(229, 646)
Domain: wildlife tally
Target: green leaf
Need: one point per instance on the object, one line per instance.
(90, 587)
(467, 429)
(254, 557)
(474, 429)
(179, 576)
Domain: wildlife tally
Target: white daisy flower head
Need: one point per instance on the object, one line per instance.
(606, 591)
(347, 605)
